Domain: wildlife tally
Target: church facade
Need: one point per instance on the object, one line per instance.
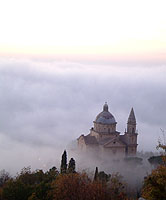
(104, 139)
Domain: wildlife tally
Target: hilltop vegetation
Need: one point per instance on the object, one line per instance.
(67, 184)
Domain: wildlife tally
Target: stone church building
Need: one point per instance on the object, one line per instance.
(104, 139)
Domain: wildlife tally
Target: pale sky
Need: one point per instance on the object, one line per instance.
(109, 29)
(67, 84)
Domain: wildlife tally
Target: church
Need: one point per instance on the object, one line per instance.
(104, 139)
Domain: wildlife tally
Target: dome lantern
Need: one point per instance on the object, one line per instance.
(105, 107)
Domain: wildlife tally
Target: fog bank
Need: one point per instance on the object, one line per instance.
(45, 105)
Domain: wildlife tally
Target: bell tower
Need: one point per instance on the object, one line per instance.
(131, 123)
(131, 135)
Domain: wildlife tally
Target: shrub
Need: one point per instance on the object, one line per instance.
(154, 187)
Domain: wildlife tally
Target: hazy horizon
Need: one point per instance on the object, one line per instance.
(46, 105)
(60, 61)
(103, 30)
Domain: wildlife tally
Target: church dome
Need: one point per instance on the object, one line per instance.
(105, 117)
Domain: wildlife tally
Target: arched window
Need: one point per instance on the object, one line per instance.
(133, 130)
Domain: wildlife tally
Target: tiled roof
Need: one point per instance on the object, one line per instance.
(122, 138)
(90, 139)
(104, 141)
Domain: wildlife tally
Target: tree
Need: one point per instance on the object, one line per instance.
(16, 190)
(27, 184)
(103, 177)
(33, 197)
(162, 145)
(156, 160)
(71, 166)
(116, 187)
(41, 190)
(4, 177)
(96, 174)
(76, 186)
(155, 184)
(64, 162)
(51, 174)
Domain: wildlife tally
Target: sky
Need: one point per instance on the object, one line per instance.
(102, 30)
(60, 61)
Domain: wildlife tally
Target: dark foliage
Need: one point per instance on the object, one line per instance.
(67, 185)
(154, 187)
(96, 174)
(4, 177)
(71, 166)
(156, 160)
(29, 185)
(64, 163)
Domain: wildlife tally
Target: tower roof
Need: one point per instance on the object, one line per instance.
(105, 117)
(132, 118)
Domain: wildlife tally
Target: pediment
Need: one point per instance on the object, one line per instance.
(114, 143)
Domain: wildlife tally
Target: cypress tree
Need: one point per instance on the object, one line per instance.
(96, 174)
(72, 165)
(64, 162)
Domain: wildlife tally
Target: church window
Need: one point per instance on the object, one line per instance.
(133, 130)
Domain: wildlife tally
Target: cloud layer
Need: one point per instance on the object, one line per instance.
(45, 105)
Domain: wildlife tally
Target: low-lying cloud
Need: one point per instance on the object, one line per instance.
(45, 105)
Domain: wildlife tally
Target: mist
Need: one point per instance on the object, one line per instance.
(45, 105)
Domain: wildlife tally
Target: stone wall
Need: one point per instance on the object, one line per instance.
(104, 128)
